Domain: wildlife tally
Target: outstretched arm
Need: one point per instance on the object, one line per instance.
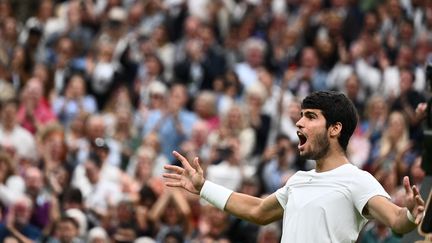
(253, 209)
(399, 219)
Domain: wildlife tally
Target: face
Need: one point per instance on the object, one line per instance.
(67, 231)
(92, 172)
(9, 115)
(313, 138)
(33, 181)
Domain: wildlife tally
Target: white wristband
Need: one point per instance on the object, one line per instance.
(410, 217)
(215, 194)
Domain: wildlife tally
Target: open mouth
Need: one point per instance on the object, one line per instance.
(302, 138)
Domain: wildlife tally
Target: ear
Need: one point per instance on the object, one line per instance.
(335, 129)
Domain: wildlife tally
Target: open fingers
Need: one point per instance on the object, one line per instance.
(174, 168)
(419, 200)
(420, 214)
(172, 176)
(182, 160)
(173, 184)
(407, 185)
(416, 191)
(197, 165)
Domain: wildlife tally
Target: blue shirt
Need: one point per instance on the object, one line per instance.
(28, 231)
(170, 139)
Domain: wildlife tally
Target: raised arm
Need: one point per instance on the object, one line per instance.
(401, 220)
(253, 209)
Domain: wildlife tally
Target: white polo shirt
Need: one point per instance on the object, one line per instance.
(326, 207)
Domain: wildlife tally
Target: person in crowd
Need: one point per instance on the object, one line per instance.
(102, 194)
(281, 165)
(12, 134)
(394, 150)
(173, 123)
(74, 101)
(66, 230)
(34, 111)
(171, 213)
(45, 209)
(17, 222)
(11, 185)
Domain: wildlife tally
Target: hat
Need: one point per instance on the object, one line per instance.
(100, 143)
(157, 87)
(144, 239)
(80, 218)
(97, 233)
(117, 14)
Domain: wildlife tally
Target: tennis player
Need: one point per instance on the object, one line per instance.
(330, 203)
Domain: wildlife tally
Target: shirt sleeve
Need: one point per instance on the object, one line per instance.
(365, 187)
(282, 195)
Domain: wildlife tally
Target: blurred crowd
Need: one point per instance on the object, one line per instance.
(96, 94)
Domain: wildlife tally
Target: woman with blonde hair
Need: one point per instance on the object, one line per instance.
(234, 123)
(394, 149)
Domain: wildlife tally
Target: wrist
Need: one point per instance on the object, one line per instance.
(215, 194)
(410, 217)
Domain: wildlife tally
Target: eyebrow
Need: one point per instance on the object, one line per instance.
(308, 113)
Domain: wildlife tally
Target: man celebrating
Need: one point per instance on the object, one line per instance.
(331, 203)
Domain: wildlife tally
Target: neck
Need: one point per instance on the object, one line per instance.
(8, 126)
(331, 161)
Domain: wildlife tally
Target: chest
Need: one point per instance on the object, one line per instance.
(312, 194)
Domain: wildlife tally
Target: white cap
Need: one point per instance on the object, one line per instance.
(117, 13)
(144, 240)
(81, 219)
(157, 87)
(97, 233)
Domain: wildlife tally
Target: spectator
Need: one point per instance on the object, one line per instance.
(308, 76)
(17, 222)
(101, 69)
(407, 102)
(98, 235)
(102, 194)
(270, 233)
(253, 52)
(142, 168)
(174, 123)
(229, 169)
(152, 141)
(34, 111)
(256, 97)
(105, 171)
(11, 185)
(66, 230)
(394, 151)
(74, 101)
(234, 124)
(96, 127)
(13, 135)
(205, 108)
(280, 166)
(171, 213)
(45, 207)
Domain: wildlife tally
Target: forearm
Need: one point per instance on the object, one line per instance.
(253, 209)
(21, 238)
(402, 224)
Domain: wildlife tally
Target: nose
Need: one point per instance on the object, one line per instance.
(299, 123)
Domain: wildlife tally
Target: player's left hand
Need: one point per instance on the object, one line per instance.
(413, 200)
